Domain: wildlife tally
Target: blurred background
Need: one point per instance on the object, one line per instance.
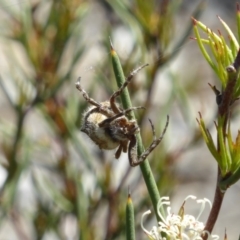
(55, 183)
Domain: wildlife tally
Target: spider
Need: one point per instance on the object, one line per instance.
(107, 124)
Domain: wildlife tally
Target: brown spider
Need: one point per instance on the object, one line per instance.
(108, 126)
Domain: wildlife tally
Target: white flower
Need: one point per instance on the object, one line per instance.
(178, 226)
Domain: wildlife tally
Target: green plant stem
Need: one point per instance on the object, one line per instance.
(130, 225)
(126, 102)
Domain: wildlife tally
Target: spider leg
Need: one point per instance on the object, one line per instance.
(125, 145)
(132, 152)
(113, 105)
(123, 113)
(119, 151)
(85, 95)
(153, 129)
(122, 148)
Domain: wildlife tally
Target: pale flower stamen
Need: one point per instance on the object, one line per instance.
(203, 201)
(191, 197)
(162, 201)
(144, 229)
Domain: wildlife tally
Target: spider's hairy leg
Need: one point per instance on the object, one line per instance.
(123, 113)
(118, 152)
(85, 95)
(122, 148)
(132, 152)
(114, 107)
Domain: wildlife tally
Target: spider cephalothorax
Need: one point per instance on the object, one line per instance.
(108, 126)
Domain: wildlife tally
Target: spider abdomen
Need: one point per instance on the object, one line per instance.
(99, 135)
